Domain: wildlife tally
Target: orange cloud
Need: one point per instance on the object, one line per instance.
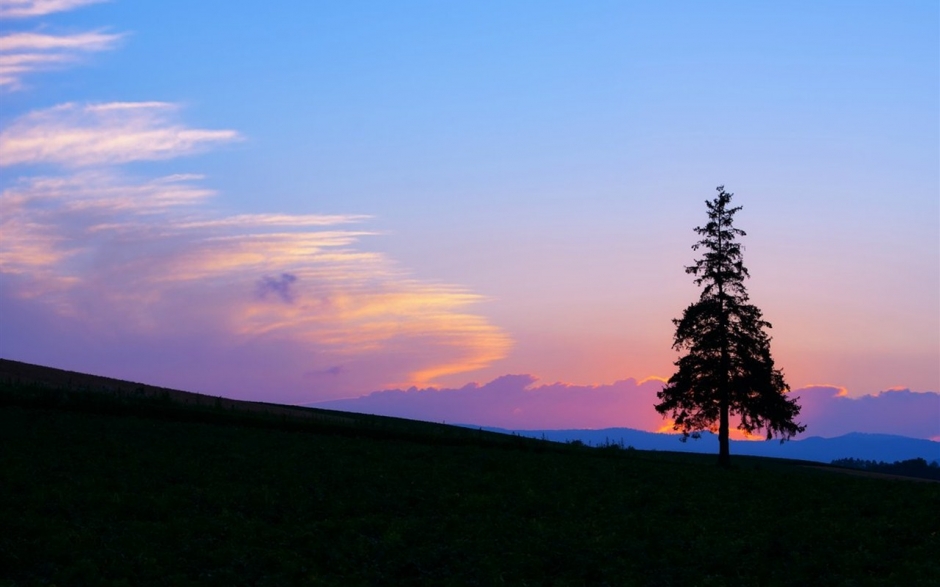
(733, 433)
(655, 378)
(668, 427)
(838, 390)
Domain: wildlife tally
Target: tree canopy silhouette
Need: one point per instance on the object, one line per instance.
(727, 369)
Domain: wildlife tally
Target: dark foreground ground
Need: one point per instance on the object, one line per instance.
(136, 494)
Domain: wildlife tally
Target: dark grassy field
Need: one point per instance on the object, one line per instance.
(110, 489)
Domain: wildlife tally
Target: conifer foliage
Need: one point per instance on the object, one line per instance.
(727, 369)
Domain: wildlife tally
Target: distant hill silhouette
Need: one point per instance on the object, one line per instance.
(873, 447)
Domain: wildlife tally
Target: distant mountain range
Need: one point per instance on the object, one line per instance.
(870, 447)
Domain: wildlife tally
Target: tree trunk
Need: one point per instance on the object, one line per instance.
(724, 452)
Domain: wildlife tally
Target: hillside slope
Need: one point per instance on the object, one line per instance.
(131, 491)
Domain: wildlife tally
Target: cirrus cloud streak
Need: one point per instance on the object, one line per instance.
(81, 135)
(136, 262)
(141, 278)
(288, 307)
(22, 53)
(28, 8)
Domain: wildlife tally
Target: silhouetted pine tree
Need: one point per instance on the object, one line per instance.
(727, 369)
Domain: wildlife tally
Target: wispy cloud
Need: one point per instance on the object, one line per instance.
(284, 220)
(106, 191)
(97, 134)
(28, 8)
(143, 278)
(21, 41)
(43, 219)
(22, 53)
(149, 263)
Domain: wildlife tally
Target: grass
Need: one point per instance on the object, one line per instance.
(107, 492)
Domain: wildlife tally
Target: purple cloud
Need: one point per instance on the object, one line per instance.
(515, 402)
(829, 411)
(281, 287)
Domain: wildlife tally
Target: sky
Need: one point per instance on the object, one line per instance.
(311, 201)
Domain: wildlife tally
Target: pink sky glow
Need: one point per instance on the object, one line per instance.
(407, 209)
(520, 402)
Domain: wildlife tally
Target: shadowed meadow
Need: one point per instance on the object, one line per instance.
(114, 483)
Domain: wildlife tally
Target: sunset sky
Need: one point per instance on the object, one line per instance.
(309, 201)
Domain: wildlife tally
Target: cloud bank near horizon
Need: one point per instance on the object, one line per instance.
(516, 402)
(830, 411)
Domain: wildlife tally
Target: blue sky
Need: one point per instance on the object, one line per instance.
(546, 159)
